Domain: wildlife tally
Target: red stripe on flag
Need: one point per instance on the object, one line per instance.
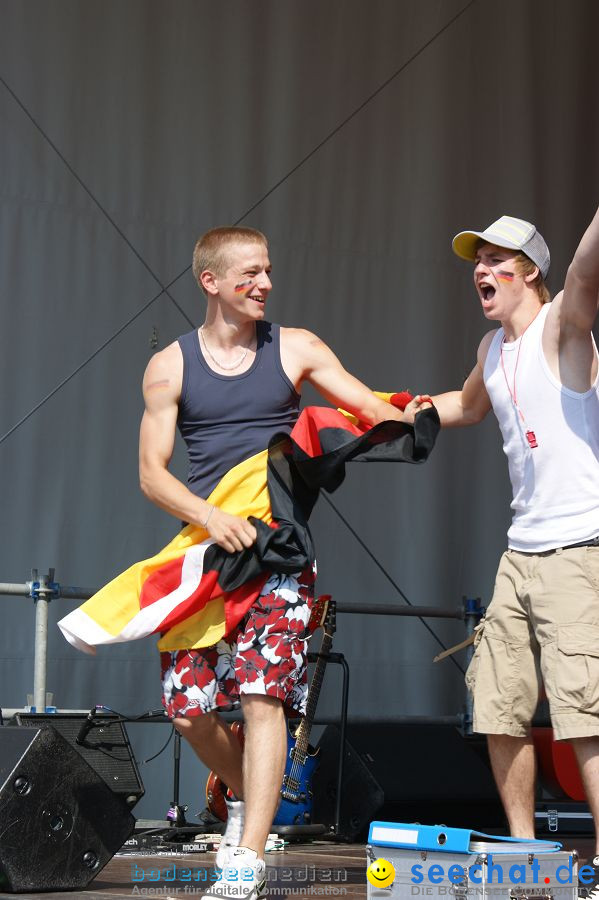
(205, 591)
(168, 578)
(401, 400)
(161, 582)
(307, 429)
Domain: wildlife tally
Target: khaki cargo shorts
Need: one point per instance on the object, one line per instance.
(542, 627)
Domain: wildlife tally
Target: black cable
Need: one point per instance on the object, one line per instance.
(117, 718)
(391, 580)
(122, 717)
(162, 749)
(165, 288)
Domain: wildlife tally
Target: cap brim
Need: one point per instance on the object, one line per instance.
(465, 243)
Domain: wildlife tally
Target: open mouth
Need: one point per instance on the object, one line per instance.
(487, 291)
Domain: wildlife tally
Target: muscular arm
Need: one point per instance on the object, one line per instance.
(161, 389)
(580, 300)
(567, 340)
(307, 358)
(470, 405)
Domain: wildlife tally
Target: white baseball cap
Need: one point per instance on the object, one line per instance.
(514, 234)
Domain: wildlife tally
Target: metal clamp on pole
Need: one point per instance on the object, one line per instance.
(42, 589)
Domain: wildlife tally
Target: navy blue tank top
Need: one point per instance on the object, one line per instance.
(225, 419)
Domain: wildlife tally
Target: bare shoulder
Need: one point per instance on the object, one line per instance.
(164, 372)
(483, 347)
(552, 330)
(299, 339)
(303, 353)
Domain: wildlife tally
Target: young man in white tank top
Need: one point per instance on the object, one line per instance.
(538, 372)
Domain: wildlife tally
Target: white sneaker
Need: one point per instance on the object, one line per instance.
(242, 878)
(233, 831)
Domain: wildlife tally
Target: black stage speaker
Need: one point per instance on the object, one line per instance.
(361, 794)
(414, 761)
(429, 773)
(59, 822)
(105, 747)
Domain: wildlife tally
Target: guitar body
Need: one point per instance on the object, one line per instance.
(295, 807)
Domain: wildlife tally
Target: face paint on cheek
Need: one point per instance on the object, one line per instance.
(504, 276)
(239, 288)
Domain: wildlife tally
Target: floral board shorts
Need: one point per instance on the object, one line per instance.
(265, 654)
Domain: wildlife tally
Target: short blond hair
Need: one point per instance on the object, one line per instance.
(211, 250)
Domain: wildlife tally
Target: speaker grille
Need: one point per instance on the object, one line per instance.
(59, 822)
(107, 749)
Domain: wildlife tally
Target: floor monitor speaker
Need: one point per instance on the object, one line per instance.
(105, 747)
(59, 822)
(361, 794)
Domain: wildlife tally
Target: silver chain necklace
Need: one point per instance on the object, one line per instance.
(228, 367)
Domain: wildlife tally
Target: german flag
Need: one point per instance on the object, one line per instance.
(193, 592)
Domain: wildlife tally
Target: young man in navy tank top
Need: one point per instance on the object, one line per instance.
(229, 387)
(538, 372)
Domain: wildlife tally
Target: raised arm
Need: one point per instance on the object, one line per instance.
(161, 389)
(307, 358)
(470, 405)
(580, 300)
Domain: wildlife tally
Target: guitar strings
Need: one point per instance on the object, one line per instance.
(317, 678)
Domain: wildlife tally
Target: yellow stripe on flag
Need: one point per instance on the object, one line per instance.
(242, 491)
(202, 629)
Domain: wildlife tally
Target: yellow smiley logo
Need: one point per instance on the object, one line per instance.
(380, 873)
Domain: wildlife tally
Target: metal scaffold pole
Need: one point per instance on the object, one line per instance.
(42, 589)
(42, 601)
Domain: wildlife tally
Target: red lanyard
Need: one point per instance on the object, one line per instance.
(530, 435)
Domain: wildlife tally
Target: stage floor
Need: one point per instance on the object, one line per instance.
(321, 869)
(324, 869)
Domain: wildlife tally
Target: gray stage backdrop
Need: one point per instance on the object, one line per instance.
(360, 137)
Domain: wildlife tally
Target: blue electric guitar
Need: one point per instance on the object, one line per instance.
(295, 807)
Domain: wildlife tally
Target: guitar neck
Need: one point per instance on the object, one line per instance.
(302, 734)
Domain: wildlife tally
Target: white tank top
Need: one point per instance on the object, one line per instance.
(555, 485)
